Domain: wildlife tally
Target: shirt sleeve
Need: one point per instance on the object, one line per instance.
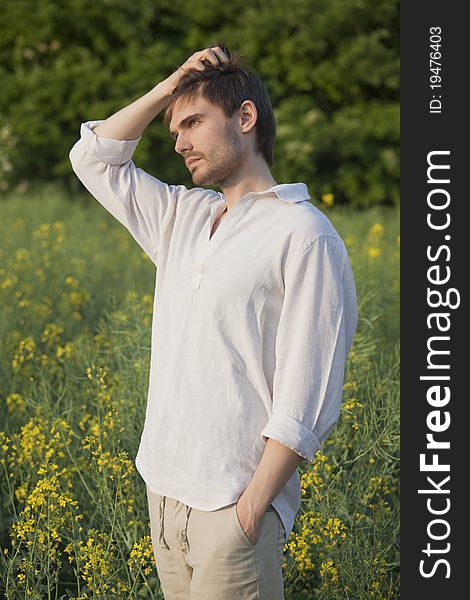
(140, 202)
(315, 333)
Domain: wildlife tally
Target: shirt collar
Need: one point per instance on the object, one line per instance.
(289, 192)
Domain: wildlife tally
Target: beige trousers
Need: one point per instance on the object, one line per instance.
(206, 555)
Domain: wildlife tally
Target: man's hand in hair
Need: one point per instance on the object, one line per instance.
(199, 60)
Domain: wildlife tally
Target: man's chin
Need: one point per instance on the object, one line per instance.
(198, 180)
(201, 180)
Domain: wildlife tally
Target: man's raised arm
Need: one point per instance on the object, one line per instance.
(130, 122)
(101, 159)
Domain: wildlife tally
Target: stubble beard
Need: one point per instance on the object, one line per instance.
(223, 165)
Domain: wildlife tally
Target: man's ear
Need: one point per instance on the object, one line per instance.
(248, 115)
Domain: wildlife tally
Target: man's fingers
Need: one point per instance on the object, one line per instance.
(213, 56)
(206, 58)
(220, 54)
(210, 57)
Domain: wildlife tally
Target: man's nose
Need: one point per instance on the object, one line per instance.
(182, 144)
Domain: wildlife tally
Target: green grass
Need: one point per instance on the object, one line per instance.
(76, 295)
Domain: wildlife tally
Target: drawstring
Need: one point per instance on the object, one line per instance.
(184, 536)
(162, 538)
(185, 533)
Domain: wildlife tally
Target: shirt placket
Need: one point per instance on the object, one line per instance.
(226, 228)
(197, 276)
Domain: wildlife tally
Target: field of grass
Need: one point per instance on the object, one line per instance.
(76, 306)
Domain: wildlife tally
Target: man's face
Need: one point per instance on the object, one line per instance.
(204, 132)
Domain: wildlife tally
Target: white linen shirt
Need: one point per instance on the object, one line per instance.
(251, 327)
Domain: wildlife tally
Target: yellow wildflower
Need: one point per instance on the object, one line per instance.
(15, 403)
(141, 556)
(377, 230)
(328, 199)
(373, 251)
(327, 569)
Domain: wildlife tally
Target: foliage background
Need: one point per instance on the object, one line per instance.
(331, 68)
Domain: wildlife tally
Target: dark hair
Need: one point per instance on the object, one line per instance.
(228, 85)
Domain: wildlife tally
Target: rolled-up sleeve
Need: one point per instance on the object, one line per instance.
(140, 202)
(315, 333)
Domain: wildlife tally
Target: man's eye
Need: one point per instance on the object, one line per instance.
(175, 137)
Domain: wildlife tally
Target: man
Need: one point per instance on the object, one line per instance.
(254, 314)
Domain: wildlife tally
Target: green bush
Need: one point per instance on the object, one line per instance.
(331, 68)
